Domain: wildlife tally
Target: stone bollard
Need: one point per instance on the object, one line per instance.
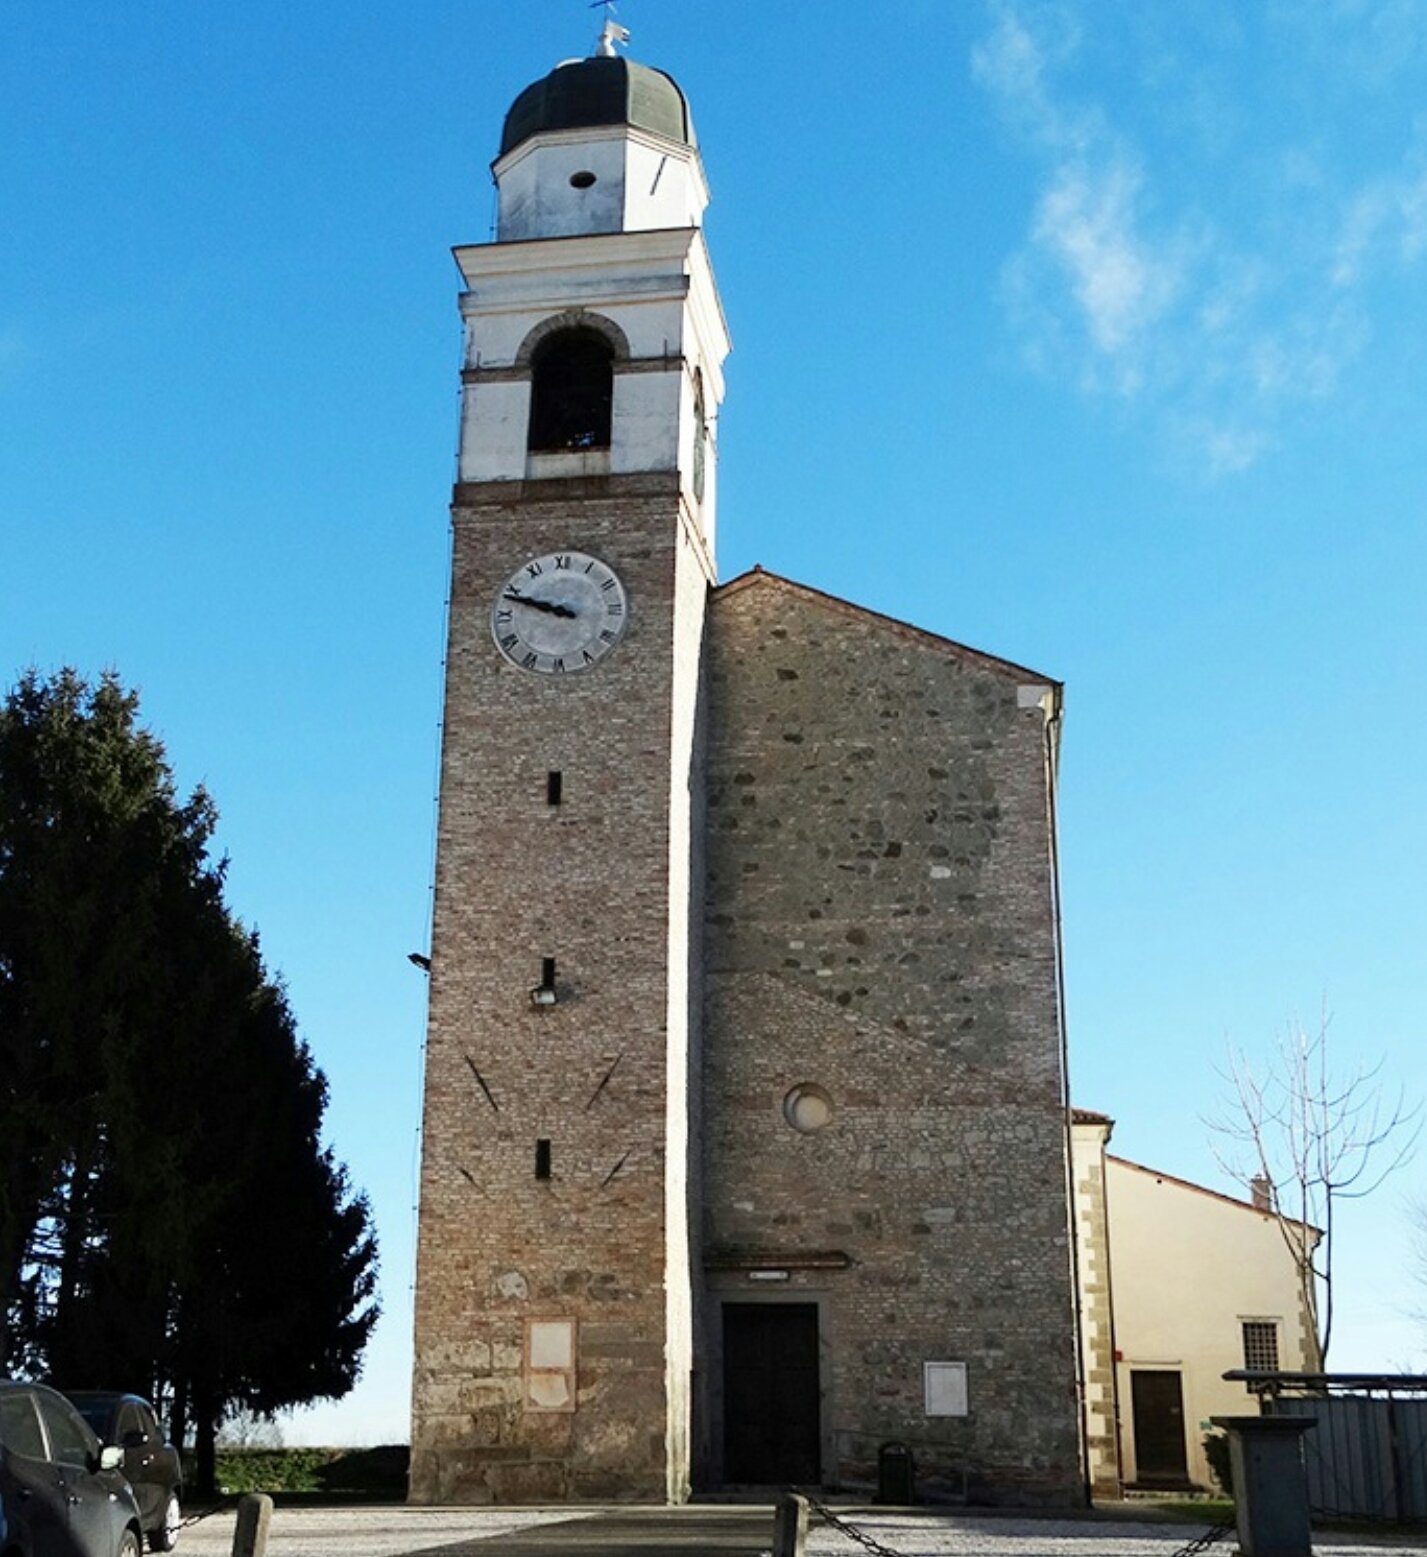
(250, 1535)
(1270, 1483)
(790, 1526)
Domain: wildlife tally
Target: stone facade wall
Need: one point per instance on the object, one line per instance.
(880, 922)
(588, 883)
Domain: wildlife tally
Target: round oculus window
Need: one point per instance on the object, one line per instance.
(582, 180)
(807, 1108)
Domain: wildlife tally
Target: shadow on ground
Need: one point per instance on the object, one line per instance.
(719, 1532)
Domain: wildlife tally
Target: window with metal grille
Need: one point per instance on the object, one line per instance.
(1261, 1344)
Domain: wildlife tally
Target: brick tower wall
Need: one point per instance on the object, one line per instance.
(589, 883)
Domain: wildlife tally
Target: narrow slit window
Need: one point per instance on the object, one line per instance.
(547, 973)
(554, 785)
(542, 1159)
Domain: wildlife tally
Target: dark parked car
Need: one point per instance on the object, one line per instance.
(151, 1463)
(62, 1494)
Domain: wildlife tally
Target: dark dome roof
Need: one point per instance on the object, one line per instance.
(598, 91)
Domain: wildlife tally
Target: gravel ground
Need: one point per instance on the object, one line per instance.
(365, 1531)
(914, 1535)
(399, 1532)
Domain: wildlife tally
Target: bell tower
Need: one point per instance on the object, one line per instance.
(554, 1298)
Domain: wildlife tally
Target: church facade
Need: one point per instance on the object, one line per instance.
(745, 1145)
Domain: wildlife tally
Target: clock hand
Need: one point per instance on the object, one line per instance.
(549, 607)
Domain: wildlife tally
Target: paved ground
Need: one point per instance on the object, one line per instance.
(719, 1531)
(368, 1531)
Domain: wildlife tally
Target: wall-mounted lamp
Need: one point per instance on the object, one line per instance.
(417, 960)
(544, 992)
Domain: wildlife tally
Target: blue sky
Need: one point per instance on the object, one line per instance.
(1090, 335)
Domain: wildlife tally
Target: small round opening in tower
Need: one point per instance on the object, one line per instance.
(807, 1108)
(582, 180)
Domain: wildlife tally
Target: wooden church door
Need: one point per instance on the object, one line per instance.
(771, 1416)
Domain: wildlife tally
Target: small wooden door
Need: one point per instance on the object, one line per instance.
(771, 1417)
(1158, 1404)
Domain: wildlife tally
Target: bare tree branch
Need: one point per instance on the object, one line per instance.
(1316, 1135)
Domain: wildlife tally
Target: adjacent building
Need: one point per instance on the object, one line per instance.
(1178, 1285)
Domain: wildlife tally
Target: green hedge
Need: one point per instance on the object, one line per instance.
(380, 1470)
(1216, 1451)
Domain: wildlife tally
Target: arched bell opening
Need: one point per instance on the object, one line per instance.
(571, 392)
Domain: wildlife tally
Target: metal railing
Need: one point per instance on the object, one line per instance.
(1367, 1457)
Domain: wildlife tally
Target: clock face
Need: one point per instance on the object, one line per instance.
(559, 613)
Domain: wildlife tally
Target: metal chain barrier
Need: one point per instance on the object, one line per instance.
(1200, 1543)
(850, 1530)
(222, 1506)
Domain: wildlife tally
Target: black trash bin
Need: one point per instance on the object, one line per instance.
(896, 1475)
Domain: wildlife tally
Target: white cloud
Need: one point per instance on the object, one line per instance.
(1372, 40)
(1088, 241)
(1217, 449)
(1303, 358)
(1086, 220)
(1413, 206)
(1232, 449)
(1011, 61)
(1383, 222)
(1362, 223)
(1214, 307)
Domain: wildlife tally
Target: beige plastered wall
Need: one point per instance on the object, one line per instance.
(1189, 1266)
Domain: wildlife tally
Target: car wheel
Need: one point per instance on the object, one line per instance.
(165, 1537)
(129, 1545)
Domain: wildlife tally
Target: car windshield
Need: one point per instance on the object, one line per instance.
(96, 1413)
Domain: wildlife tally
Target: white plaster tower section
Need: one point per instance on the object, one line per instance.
(652, 295)
(642, 277)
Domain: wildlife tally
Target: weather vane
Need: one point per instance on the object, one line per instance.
(612, 34)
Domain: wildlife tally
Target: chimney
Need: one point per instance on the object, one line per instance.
(1261, 1190)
